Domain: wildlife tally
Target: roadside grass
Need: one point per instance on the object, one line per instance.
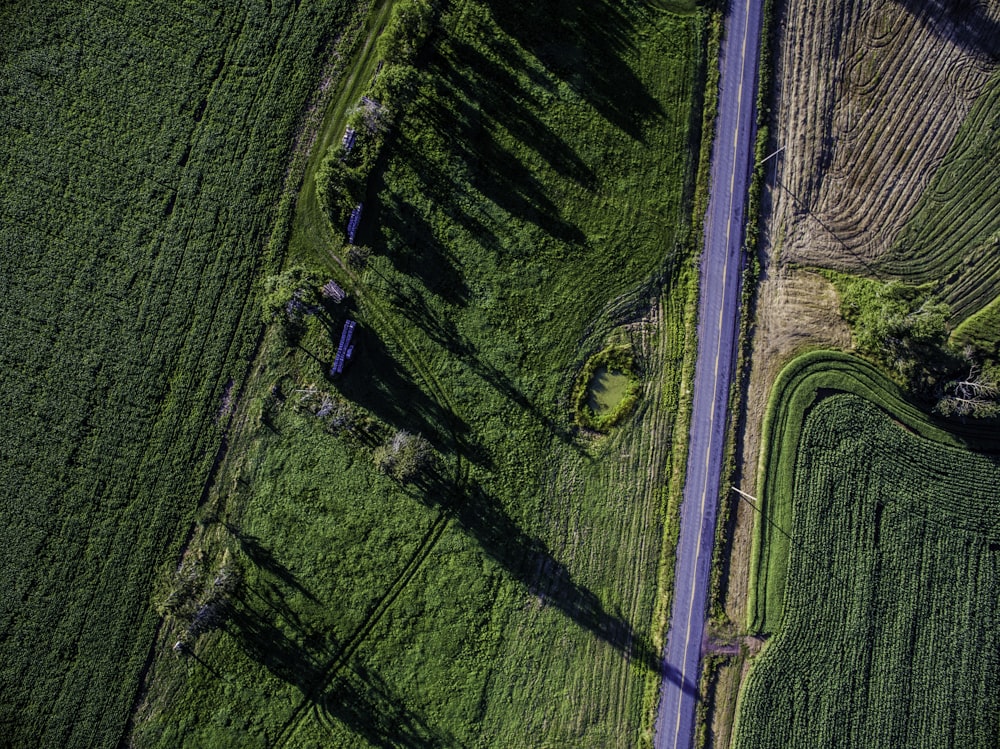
(532, 206)
(882, 558)
(143, 156)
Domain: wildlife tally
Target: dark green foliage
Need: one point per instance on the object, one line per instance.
(291, 294)
(289, 297)
(888, 637)
(144, 148)
(901, 327)
(906, 331)
(342, 178)
(357, 257)
(408, 28)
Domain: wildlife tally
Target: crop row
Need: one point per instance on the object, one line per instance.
(858, 157)
(892, 574)
(798, 387)
(955, 227)
(145, 156)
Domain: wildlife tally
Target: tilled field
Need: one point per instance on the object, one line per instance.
(872, 96)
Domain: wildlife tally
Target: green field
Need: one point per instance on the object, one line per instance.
(876, 565)
(144, 153)
(532, 206)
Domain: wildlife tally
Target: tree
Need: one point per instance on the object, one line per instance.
(976, 395)
(404, 456)
(902, 328)
(288, 298)
(357, 256)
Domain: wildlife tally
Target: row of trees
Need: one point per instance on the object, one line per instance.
(342, 177)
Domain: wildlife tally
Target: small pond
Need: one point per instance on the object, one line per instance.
(606, 390)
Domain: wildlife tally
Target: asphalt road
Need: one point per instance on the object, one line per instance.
(718, 315)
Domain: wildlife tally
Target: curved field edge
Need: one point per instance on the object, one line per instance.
(799, 386)
(893, 569)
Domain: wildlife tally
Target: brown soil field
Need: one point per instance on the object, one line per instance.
(872, 94)
(869, 99)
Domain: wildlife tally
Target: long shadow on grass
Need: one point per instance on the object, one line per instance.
(528, 560)
(413, 247)
(376, 381)
(442, 331)
(583, 44)
(960, 21)
(462, 169)
(271, 632)
(504, 99)
(361, 700)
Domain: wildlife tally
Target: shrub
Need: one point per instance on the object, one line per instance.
(404, 456)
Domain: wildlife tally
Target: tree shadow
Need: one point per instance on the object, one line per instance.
(529, 561)
(504, 100)
(361, 700)
(471, 171)
(413, 247)
(271, 633)
(376, 381)
(263, 558)
(442, 330)
(582, 44)
(298, 660)
(963, 22)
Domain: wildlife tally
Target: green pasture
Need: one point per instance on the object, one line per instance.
(531, 206)
(143, 154)
(876, 566)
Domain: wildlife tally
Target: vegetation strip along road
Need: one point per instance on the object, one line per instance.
(717, 319)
